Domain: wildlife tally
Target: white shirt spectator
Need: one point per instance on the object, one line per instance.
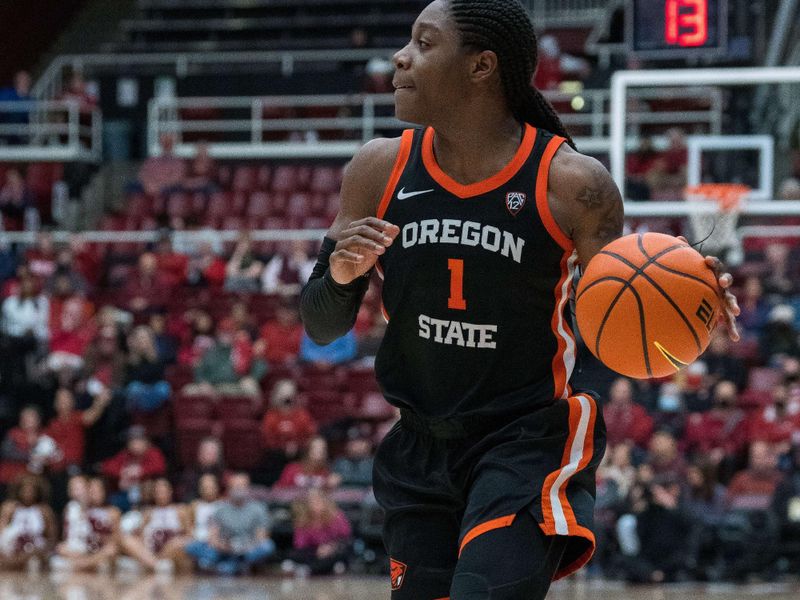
(21, 315)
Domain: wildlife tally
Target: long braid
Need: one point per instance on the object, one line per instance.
(504, 27)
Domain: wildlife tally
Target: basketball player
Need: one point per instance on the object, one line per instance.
(477, 222)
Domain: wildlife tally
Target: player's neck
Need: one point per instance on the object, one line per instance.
(476, 152)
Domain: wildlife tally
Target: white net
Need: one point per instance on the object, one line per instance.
(717, 228)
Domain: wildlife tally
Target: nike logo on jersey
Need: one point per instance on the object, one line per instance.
(403, 194)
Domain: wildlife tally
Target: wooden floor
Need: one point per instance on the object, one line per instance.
(131, 587)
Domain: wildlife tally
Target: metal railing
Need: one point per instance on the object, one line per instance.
(182, 64)
(241, 130)
(57, 130)
(547, 13)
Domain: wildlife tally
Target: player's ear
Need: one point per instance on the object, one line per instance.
(483, 65)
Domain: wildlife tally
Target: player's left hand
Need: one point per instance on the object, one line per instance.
(730, 309)
(730, 306)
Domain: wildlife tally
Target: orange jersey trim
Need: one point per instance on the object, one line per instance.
(564, 358)
(481, 187)
(581, 423)
(542, 205)
(485, 528)
(399, 164)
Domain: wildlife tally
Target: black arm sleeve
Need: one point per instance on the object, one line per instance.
(328, 308)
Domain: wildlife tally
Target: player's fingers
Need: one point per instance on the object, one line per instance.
(347, 256)
(732, 304)
(725, 280)
(359, 242)
(368, 232)
(377, 224)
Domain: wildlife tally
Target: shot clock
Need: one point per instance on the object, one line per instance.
(676, 28)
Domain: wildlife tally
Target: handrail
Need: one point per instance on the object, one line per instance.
(362, 120)
(52, 131)
(50, 84)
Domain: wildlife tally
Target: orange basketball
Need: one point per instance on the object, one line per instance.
(647, 304)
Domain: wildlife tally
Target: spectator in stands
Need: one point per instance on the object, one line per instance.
(655, 549)
(173, 268)
(228, 368)
(42, 258)
(789, 189)
(66, 271)
(20, 91)
(164, 173)
(210, 461)
(555, 66)
(202, 172)
(104, 361)
(321, 538)
(202, 508)
(755, 308)
(71, 330)
(90, 528)
(663, 456)
(669, 170)
(776, 422)
(754, 487)
(145, 387)
(338, 352)
(281, 336)
(313, 470)
(26, 316)
(779, 335)
(370, 333)
(355, 467)
(166, 343)
(27, 524)
(149, 287)
(239, 535)
(638, 168)
(163, 532)
(240, 320)
(25, 448)
(68, 427)
(781, 273)
(721, 432)
(15, 200)
(138, 462)
(626, 420)
(78, 90)
(721, 364)
(786, 502)
(199, 340)
(618, 467)
(286, 273)
(286, 427)
(8, 263)
(206, 268)
(705, 500)
(243, 271)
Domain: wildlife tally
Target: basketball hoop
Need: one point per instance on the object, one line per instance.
(717, 228)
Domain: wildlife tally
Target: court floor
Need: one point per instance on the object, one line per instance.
(132, 587)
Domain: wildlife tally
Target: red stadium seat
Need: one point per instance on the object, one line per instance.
(327, 407)
(243, 444)
(299, 205)
(323, 179)
(189, 434)
(244, 179)
(259, 206)
(179, 375)
(263, 177)
(284, 179)
(239, 408)
(178, 206)
(192, 408)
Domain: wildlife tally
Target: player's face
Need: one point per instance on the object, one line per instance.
(431, 70)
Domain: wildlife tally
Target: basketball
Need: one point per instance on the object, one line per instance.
(647, 304)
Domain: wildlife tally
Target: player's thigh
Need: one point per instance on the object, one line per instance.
(422, 547)
(508, 563)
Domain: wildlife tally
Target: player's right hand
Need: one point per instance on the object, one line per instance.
(359, 246)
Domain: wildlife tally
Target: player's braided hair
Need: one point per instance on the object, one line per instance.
(504, 27)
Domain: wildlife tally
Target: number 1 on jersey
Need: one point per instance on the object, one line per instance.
(456, 300)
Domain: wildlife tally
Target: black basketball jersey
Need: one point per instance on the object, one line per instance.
(476, 285)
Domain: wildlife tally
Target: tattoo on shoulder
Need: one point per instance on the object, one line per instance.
(601, 196)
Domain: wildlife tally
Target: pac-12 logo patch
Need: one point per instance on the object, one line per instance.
(515, 201)
(398, 573)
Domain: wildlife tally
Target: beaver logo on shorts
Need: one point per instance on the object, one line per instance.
(515, 201)
(398, 573)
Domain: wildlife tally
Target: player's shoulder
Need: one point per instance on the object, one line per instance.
(367, 174)
(570, 169)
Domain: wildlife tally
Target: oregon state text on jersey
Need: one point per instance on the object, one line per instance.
(476, 286)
